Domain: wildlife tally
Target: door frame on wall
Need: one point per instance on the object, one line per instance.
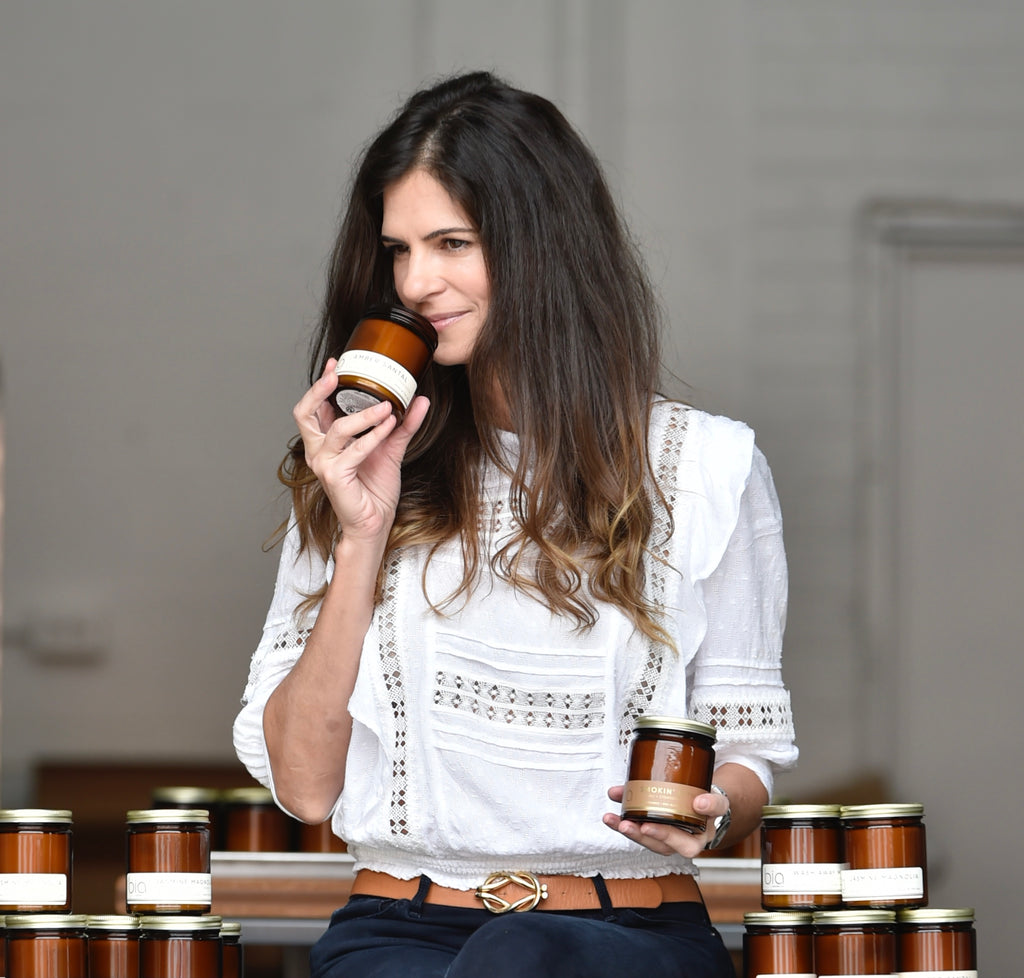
(892, 234)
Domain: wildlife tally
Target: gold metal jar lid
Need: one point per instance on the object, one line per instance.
(36, 816)
(186, 795)
(936, 915)
(844, 917)
(169, 922)
(777, 918)
(230, 928)
(676, 725)
(46, 921)
(881, 811)
(164, 816)
(112, 922)
(248, 796)
(800, 811)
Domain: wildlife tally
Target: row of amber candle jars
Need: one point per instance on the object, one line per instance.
(923, 943)
(824, 857)
(121, 946)
(169, 932)
(844, 891)
(248, 820)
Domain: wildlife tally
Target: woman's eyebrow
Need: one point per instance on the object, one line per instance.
(440, 232)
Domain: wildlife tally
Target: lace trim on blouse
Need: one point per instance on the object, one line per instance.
(661, 533)
(751, 716)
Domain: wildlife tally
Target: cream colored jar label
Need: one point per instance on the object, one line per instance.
(937, 974)
(899, 883)
(783, 879)
(187, 888)
(660, 798)
(34, 889)
(381, 370)
(883, 975)
(787, 975)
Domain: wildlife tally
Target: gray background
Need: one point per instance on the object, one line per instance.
(170, 178)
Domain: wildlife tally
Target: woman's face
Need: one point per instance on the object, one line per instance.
(438, 262)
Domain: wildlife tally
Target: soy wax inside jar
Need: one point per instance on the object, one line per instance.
(384, 359)
(670, 762)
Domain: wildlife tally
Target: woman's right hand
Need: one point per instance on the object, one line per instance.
(361, 475)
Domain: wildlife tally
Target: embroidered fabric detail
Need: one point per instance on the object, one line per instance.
(292, 639)
(748, 716)
(512, 706)
(657, 568)
(394, 682)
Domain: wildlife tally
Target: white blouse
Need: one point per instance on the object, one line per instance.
(485, 739)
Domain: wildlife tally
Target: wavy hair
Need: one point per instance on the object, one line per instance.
(571, 340)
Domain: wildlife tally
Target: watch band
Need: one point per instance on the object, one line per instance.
(722, 822)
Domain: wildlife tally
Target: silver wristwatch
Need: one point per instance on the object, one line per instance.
(722, 823)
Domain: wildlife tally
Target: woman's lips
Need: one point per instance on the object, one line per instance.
(445, 319)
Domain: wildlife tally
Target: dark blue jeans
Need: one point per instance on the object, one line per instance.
(372, 937)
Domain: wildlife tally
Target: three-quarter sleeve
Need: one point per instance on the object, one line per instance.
(285, 630)
(736, 676)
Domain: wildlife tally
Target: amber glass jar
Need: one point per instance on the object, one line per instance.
(854, 942)
(887, 864)
(35, 860)
(231, 955)
(193, 797)
(937, 942)
(801, 857)
(113, 946)
(320, 838)
(168, 856)
(254, 823)
(385, 357)
(180, 947)
(778, 943)
(670, 763)
(46, 945)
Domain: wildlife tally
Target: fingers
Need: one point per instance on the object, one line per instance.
(667, 839)
(313, 414)
(351, 439)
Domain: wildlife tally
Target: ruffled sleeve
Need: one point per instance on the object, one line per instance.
(736, 675)
(725, 595)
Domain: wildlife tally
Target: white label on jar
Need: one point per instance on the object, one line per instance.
(34, 889)
(382, 370)
(786, 975)
(187, 888)
(793, 878)
(937, 974)
(884, 974)
(896, 883)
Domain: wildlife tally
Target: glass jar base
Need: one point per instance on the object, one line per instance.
(693, 827)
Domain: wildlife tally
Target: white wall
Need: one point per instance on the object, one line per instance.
(169, 179)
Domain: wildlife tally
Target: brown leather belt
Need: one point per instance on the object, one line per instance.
(502, 892)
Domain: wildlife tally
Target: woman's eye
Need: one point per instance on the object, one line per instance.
(394, 249)
(456, 244)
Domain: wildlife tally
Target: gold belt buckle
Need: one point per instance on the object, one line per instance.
(487, 892)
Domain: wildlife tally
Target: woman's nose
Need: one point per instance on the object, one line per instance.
(420, 279)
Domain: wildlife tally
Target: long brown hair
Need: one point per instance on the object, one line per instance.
(571, 340)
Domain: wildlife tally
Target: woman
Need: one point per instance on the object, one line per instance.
(473, 606)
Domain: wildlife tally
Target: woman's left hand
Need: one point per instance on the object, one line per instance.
(668, 839)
